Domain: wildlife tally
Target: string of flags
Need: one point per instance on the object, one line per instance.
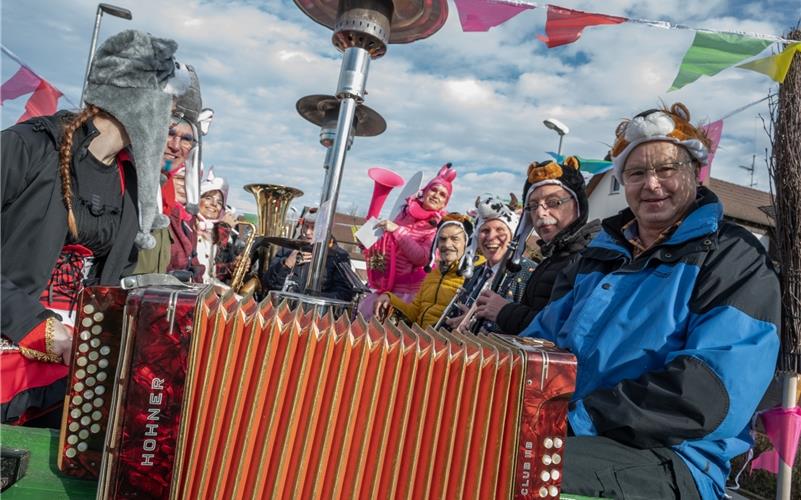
(44, 96)
(711, 51)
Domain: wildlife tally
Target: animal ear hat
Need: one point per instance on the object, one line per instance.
(671, 125)
(444, 178)
(462, 221)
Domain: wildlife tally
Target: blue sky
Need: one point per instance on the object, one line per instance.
(475, 99)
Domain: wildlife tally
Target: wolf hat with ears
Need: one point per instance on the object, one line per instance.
(134, 78)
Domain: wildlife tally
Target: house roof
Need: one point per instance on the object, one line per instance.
(743, 203)
(747, 205)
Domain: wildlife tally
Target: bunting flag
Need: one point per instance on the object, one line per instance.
(713, 130)
(481, 15)
(775, 66)
(711, 53)
(23, 82)
(43, 102)
(564, 26)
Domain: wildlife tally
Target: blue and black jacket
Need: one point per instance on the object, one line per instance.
(676, 346)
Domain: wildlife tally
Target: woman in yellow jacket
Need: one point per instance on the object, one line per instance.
(442, 282)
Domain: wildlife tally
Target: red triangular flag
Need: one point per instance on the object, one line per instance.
(43, 102)
(564, 26)
(23, 82)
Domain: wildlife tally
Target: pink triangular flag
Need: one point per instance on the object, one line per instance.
(481, 15)
(23, 82)
(713, 130)
(43, 102)
(767, 460)
(783, 427)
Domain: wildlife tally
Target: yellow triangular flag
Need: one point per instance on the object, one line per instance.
(775, 66)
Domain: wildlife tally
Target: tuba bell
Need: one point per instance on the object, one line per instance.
(272, 204)
(385, 181)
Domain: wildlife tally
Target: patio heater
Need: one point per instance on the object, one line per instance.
(362, 30)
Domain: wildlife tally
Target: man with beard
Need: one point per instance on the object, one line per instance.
(556, 204)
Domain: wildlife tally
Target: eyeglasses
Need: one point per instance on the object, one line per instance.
(548, 203)
(662, 171)
(187, 140)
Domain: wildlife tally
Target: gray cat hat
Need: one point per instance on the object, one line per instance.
(134, 78)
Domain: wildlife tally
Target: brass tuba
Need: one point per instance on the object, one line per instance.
(272, 203)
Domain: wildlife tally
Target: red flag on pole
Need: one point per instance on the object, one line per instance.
(43, 102)
(564, 26)
(481, 15)
(23, 82)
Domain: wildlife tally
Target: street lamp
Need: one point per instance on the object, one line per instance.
(111, 10)
(558, 127)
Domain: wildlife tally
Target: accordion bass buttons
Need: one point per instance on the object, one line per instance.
(557, 442)
(553, 491)
(556, 459)
(546, 459)
(555, 474)
(545, 476)
(548, 443)
(543, 492)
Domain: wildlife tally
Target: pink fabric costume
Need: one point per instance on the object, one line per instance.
(395, 263)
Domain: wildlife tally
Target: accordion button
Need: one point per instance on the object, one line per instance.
(94, 343)
(556, 458)
(88, 309)
(100, 390)
(101, 376)
(96, 330)
(98, 317)
(87, 407)
(554, 491)
(84, 335)
(105, 350)
(83, 347)
(85, 421)
(548, 443)
(91, 381)
(89, 394)
(543, 492)
(74, 426)
(81, 361)
(555, 474)
(75, 413)
(78, 386)
(87, 322)
(91, 369)
(94, 429)
(545, 476)
(546, 459)
(76, 400)
(83, 435)
(72, 439)
(102, 363)
(70, 453)
(557, 442)
(98, 402)
(82, 446)
(96, 415)
(80, 373)
(93, 355)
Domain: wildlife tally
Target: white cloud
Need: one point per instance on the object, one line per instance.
(476, 99)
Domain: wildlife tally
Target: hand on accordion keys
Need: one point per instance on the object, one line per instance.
(489, 305)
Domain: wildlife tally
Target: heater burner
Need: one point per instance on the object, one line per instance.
(323, 111)
(359, 23)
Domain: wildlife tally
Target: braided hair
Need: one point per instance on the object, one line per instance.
(65, 158)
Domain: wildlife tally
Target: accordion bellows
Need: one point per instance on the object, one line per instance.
(270, 401)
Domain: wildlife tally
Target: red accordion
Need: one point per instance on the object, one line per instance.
(220, 398)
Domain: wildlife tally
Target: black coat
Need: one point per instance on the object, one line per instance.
(34, 219)
(560, 253)
(335, 286)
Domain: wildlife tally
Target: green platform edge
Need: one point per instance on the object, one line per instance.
(43, 481)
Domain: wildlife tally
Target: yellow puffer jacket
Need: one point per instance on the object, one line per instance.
(436, 291)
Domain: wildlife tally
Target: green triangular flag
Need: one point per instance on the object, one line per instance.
(711, 53)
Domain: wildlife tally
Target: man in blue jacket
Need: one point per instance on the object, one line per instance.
(673, 314)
